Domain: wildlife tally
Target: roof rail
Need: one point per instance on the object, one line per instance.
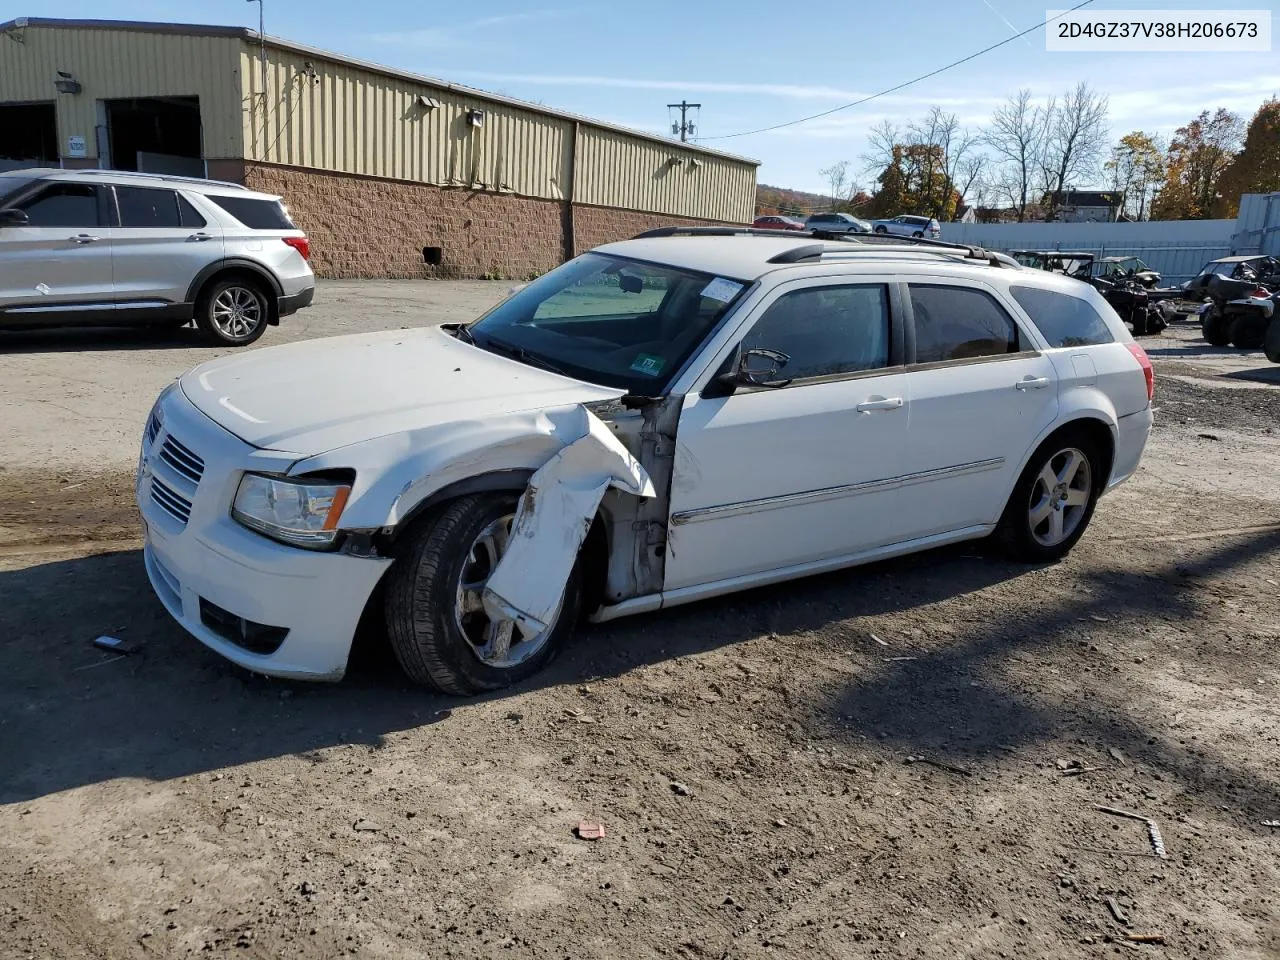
(166, 177)
(971, 252)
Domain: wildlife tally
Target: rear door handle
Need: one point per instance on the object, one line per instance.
(890, 403)
(200, 236)
(83, 238)
(1032, 383)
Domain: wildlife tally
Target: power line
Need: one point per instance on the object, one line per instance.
(685, 128)
(874, 96)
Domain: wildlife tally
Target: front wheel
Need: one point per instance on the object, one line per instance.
(918, 234)
(1248, 331)
(436, 620)
(232, 313)
(1214, 329)
(1053, 501)
(882, 230)
(1271, 342)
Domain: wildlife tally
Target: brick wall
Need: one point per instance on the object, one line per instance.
(363, 227)
(593, 226)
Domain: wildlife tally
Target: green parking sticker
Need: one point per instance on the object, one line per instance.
(650, 366)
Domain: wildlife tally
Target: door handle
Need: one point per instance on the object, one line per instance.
(83, 238)
(890, 403)
(200, 236)
(1032, 383)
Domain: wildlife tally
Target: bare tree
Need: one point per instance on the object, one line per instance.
(969, 178)
(1017, 138)
(1075, 138)
(837, 177)
(881, 139)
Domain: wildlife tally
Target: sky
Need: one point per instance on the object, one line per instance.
(751, 63)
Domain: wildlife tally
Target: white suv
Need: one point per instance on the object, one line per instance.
(94, 247)
(669, 418)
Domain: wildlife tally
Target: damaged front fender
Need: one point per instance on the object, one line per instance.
(552, 520)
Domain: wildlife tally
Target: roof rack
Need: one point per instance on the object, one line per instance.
(166, 177)
(814, 251)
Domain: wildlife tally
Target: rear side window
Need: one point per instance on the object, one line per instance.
(960, 323)
(145, 207)
(254, 213)
(826, 331)
(191, 217)
(1065, 321)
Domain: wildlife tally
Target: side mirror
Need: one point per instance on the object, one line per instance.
(629, 283)
(13, 217)
(757, 367)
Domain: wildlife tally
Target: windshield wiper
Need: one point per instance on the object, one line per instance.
(463, 333)
(521, 354)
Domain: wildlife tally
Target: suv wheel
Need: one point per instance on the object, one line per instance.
(439, 630)
(882, 229)
(232, 312)
(918, 233)
(1052, 502)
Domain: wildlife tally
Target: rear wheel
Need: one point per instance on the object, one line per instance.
(232, 312)
(918, 233)
(1248, 331)
(1214, 329)
(1271, 342)
(435, 616)
(1053, 501)
(882, 230)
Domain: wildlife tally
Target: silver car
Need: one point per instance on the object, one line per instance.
(909, 226)
(96, 247)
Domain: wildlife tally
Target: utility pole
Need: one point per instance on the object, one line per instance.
(685, 127)
(262, 56)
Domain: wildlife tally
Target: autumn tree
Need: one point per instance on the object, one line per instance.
(1136, 165)
(1199, 154)
(916, 167)
(1256, 169)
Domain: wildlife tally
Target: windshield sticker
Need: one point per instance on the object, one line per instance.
(721, 289)
(647, 364)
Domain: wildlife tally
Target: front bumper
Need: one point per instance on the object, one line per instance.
(293, 303)
(1132, 432)
(208, 562)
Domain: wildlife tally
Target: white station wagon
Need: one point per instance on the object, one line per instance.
(678, 416)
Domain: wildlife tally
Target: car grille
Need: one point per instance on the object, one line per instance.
(170, 501)
(153, 428)
(187, 464)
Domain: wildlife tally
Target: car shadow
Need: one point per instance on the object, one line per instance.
(82, 339)
(71, 715)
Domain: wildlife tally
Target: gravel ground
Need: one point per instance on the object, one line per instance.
(900, 760)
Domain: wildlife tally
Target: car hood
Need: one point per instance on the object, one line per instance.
(311, 397)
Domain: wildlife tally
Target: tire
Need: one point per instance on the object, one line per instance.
(918, 234)
(1138, 320)
(881, 230)
(1248, 331)
(1271, 342)
(434, 640)
(1030, 540)
(232, 312)
(1214, 329)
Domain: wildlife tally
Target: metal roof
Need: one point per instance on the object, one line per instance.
(252, 36)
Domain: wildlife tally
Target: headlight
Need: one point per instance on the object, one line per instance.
(297, 512)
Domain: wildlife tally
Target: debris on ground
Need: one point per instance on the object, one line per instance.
(940, 765)
(590, 830)
(115, 645)
(1118, 757)
(1144, 937)
(1116, 912)
(366, 826)
(1157, 842)
(680, 789)
(877, 640)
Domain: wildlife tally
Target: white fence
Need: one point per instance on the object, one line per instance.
(1175, 248)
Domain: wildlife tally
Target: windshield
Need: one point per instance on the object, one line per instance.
(610, 320)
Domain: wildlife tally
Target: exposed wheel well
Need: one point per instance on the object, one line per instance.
(248, 277)
(1099, 433)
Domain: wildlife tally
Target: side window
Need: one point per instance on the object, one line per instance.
(254, 213)
(1065, 321)
(960, 323)
(64, 205)
(191, 217)
(826, 331)
(146, 207)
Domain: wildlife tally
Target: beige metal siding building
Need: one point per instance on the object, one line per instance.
(392, 174)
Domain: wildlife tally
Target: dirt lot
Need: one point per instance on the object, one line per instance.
(869, 763)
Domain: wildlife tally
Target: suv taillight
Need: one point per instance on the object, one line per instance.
(301, 244)
(1147, 370)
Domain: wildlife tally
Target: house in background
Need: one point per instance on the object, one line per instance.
(1085, 206)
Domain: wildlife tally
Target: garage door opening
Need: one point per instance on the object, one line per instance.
(155, 135)
(28, 135)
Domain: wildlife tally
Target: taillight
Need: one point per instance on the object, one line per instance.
(301, 244)
(1147, 370)
(1261, 293)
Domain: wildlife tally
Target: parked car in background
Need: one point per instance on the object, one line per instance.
(655, 422)
(835, 223)
(1263, 269)
(909, 226)
(778, 223)
(98, 247)
(1126, 268)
